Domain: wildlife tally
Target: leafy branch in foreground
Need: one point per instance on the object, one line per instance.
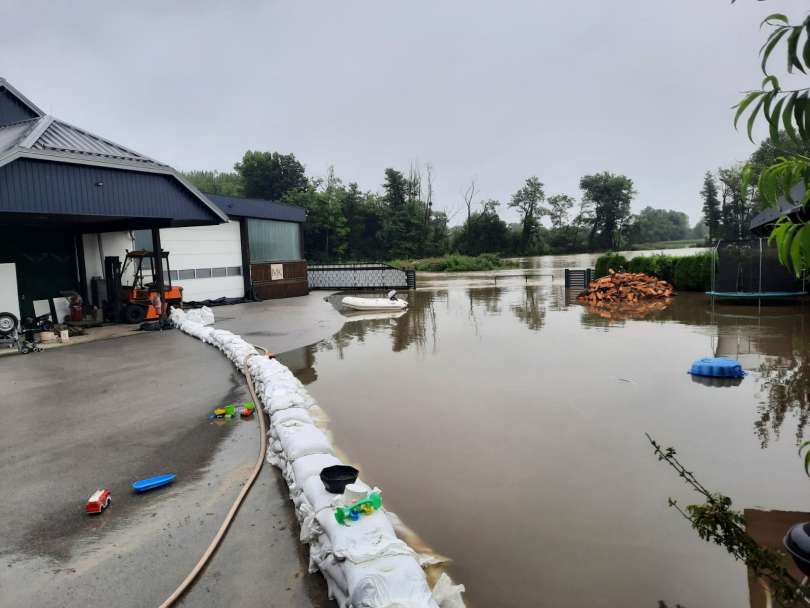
(786, 111)
(715, 521)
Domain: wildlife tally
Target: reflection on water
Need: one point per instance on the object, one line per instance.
(505, 423)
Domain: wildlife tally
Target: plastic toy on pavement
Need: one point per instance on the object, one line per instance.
(99, 501)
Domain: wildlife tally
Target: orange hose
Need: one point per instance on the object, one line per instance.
(209, 552)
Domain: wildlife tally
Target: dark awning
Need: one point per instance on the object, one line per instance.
(234, 206)
(763, 222)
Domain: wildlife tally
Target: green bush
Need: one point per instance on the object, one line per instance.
(457, 263)
(661, 266)
(693, 272)
(610, 261)
(685, 273)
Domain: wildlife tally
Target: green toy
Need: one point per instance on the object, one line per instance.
(249, 405)
(230, 409)
(365, 506)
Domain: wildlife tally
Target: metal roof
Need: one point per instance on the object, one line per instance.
(762, 223)
(11, 135)
(50, 139)
(49, 136)
(235, 206)
(59, 136)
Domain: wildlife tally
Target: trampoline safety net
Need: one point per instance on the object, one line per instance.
(751, 266)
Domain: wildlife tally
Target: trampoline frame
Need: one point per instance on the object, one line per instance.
(750, 295)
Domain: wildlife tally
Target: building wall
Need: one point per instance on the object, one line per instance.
(36, 186)
(12, 110)
(205, 249)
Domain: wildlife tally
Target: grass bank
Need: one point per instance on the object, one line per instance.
(684, 273)
(457, 263)
(669, 244)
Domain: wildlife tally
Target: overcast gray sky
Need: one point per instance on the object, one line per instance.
(496, 90)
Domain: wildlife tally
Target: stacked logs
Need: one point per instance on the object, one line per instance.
(625, 287)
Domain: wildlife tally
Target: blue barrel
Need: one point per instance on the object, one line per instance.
(717, 367)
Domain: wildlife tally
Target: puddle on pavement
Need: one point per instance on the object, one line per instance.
(505, 424)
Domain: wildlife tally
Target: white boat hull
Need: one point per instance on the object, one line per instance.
(374, 303)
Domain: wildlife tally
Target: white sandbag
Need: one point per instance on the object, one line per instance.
(388, 582)
(311, 466)
(319, 498)
(301, 439)
(370, 537)
(294, 413)
(364, 563)
(446, 594)
(206, 316)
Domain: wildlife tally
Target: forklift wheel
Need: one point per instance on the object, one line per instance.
(134, 313)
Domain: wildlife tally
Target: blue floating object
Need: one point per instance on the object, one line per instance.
(150, 483)
(717, 367)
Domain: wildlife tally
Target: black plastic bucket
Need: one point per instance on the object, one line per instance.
(797, 543)
(337, 477)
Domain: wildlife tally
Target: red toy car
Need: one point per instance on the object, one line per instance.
(99, 501)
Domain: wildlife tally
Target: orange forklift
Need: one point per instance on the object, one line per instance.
(136, 302)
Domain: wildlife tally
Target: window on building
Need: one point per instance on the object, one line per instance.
(273, 241)
(185, 274)
(142, 240)
(203, 273)
(218, 272)
(234, 271)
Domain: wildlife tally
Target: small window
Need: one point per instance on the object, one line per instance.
(184, 275)
(203, 273)
(234, 271)
(218, 272)
(173, 275)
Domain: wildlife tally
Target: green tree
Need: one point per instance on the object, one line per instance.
(785, 110)
(398, 224)
(655, 225)
(216, 182)
(735, 210)
(700, 230)
(270, 175)
(326, 230)
(559, 205)
(711, 206)
(606, 207)
(528, 201)
(483, 232)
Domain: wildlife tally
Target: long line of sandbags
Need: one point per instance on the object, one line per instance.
(364, 564)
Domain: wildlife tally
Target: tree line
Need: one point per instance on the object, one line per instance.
(731, 196)
(345, 223)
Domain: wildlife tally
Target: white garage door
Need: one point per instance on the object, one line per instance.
(205, 260)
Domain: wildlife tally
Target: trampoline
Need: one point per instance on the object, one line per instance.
(749, 269)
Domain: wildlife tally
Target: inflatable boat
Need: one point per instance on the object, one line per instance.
(392, 302)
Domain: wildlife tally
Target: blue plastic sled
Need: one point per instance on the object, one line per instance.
(150, 483)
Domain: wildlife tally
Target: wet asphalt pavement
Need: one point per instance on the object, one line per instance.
(106, 413)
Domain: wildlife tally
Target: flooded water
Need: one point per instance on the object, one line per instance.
(505, 424)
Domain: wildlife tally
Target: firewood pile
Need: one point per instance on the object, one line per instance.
(624, 288)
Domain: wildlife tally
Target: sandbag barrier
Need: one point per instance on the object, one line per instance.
(365, 564)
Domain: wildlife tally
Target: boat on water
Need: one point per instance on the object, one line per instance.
(392, 302)
(150, 483)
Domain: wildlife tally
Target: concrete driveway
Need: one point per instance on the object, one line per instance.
(106, 413)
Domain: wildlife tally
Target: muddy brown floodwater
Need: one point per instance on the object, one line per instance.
(505, 424)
